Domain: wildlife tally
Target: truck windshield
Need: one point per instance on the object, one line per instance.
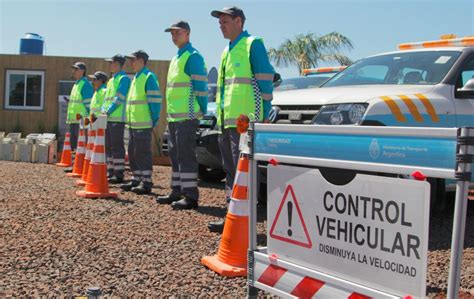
(310, 81)
(403, 68)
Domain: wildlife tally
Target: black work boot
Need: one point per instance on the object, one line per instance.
(185, 204)
(128, 186)
(167, 199)
(142, 188)
(115, 180)
(216, 226)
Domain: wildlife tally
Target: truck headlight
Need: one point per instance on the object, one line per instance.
(340, 114)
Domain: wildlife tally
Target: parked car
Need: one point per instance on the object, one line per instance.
(287, 108)
(208, 153)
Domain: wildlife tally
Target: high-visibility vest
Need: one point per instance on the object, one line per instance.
(137, 110)
(112, 86)
(241, 94)
(98, 100)
(181, 104)
(76, 104)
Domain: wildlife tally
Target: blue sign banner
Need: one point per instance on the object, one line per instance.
(396, 150)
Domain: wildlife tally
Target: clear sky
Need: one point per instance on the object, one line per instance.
(104, 28)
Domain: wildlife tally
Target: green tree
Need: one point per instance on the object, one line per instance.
(309, 50)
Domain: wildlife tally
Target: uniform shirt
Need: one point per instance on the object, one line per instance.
(153, 95)
(87, 92)
(103, 86)
(121, 94)
(196, 69)
(261, 68)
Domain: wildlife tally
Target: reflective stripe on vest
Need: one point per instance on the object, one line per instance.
(76, 104)
(97, 101)
(241, 92)
(112, 86)
(137, 109)
(181, 103)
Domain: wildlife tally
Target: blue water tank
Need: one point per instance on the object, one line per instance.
(32, 43)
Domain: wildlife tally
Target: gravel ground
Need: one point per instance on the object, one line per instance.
(54, 243)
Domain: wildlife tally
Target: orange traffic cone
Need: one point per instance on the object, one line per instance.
(66, 156)
(89, 149)
(231, 258)
(80, 153)
(97, 184)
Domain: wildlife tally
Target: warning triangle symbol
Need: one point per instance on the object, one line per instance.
(289, 225)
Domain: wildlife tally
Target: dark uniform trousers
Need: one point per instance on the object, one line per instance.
(74, 132)
(140, 156)
(182, 152)
(115, 149)
(229, 147)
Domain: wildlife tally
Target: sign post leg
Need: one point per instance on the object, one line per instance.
(252, 184)
(459, 221)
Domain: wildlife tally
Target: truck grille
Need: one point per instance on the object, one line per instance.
(294, 114)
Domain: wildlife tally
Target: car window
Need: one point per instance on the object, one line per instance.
(467, 71)
(402, 68)
(466, 76)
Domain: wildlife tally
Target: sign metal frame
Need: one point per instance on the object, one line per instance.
(461, 146)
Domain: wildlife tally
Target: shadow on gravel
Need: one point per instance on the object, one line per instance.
(435, 290)
(221, 212)
(441, 226)
(212, 211)
(204, 184)
(261, 239)
(122, 201)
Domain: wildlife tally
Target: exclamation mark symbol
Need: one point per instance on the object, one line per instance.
(290, 210)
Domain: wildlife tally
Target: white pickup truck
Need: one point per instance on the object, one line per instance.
(427, 84)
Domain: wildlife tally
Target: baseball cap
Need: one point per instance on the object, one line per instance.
(99, 75)
(117, 58)
(233, 11)
(79, 65)
(179, 25)
(139, 54)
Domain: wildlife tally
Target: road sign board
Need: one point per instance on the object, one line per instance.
(372, 231)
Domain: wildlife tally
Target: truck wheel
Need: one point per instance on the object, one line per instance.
(211, 174)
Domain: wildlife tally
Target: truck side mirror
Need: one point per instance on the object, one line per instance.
(277, 80)
(467, 91)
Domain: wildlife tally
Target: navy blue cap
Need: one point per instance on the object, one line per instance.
(79, 65)
(233, 11)
(117, 58)
(179, 25)
(139, 54)
(99, 75)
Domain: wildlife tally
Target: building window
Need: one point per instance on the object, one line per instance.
(24, 90)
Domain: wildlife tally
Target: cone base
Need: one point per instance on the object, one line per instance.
(213, 263)
(80, 183)
(63, 165)
(74, 175)
(87, 194)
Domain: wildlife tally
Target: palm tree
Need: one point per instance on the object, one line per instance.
(309, 50)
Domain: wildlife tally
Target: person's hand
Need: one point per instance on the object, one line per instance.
(266, 121)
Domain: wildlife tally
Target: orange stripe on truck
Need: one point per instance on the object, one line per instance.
(412, 108)
(430, 109)
(394, 108)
